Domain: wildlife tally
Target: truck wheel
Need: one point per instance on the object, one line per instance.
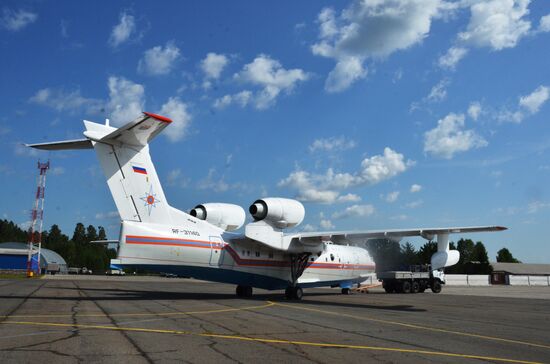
(388, 287)
(415, 287)
(406, 287)
(436, 287)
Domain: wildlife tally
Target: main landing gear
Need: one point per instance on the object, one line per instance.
(298, 263)
(244, 291)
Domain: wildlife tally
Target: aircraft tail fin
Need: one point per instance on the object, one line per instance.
(124, 157)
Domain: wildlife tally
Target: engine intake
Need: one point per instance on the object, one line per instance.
(226, 216)
(281, 212)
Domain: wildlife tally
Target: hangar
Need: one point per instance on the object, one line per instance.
(521, 274)
(13, 257)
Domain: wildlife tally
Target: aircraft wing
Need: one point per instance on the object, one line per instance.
(347, 237)
(308, 241)
(63, 145)
(138, 132)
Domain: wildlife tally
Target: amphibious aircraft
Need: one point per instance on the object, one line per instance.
(202, 243)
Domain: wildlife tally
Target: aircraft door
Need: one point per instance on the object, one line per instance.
(216, 246)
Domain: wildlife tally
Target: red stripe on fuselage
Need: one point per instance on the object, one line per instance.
(235, 255)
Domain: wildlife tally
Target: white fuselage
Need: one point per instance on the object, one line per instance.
(200, 250)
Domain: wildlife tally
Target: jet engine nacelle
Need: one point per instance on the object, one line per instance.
(445, 259)
(280, 212)
(226, 216)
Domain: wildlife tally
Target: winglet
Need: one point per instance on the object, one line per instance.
(158, 117)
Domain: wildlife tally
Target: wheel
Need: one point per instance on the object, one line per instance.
(239, 291)
(421, 290)
(346, 291)
(294, 293)
(436, 287)
(406, 287)
(415, 288)
(298, 293)
(248, 291)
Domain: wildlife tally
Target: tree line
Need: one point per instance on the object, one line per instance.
(474, 259)
(77, 251)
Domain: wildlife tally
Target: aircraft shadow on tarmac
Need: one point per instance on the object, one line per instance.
(140, 295)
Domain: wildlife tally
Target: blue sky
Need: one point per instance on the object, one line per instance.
(375, 114)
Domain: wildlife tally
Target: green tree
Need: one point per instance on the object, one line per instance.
(386, 254)
(408, 254)
(91, 233)
(504, 256)
(79, 235)
(101, 235)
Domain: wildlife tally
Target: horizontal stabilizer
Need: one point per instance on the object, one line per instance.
(63, 145)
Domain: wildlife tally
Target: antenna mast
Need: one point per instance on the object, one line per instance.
(37, 216)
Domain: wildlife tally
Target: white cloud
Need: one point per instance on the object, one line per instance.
(527, 105)
(438, 91)
(544, 25)
(241, 98)
(354, 211)
(536, 206)
(213, 182)
(159, 60)
(213, 64)
(21, 150)
(56, 171)
(332, 144)
(123, 30)
(271, 77)
(414, 204)
(106, 215)
(347, 71)
(61, 100)
(326, 224)
(415, 188)
(309, 228)
(324, 188)
(474, 110)
(535, 100)
(175, 178)
(401, 217)
(449, 138)
(176, 110)
(391, 197)
(350, 197)
(126, 100)
(450, 59)
(371, 29)
(497, 24)
(15, 20)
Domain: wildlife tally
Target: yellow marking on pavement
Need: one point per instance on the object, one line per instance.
(179, 313)
(272, 341)
(413, 326)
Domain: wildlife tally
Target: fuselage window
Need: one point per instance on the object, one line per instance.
(312, 259)
(243, 251)
(257, 254)
(332, 257)
(248, 252)
(271, 254)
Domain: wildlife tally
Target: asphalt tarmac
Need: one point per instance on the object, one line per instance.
(126, 319)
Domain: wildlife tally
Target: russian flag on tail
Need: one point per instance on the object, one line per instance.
(139, 170)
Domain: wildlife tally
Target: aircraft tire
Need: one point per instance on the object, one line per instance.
(239, 291)
(346, 291)
(415, 288)
(298, 293)
(294, 293)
